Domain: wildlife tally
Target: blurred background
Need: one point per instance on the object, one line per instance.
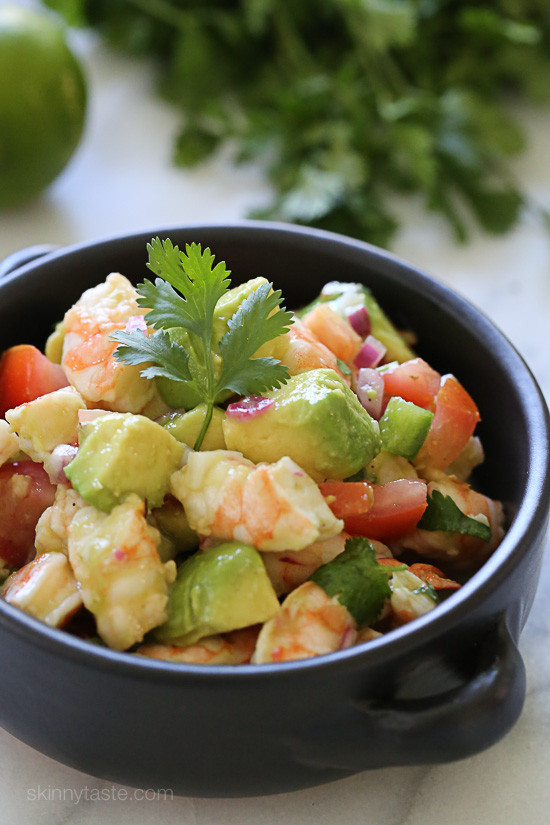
(419, 125)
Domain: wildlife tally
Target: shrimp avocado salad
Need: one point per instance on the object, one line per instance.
(193, 473)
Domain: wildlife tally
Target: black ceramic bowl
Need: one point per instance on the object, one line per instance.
(444, 687)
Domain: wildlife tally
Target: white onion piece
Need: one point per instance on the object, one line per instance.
(371, 353)
(370, 391)
(55, 463)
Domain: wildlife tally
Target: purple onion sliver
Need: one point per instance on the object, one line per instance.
(249, 407)
(360, 321)
(136, 322)
(371, 353)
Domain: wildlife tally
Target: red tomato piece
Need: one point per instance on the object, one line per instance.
(348, 497)
(25, 492)
(455, 419)
(413, 381)
(396, 510)
(25, 374)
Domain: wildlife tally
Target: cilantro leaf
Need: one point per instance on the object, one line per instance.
(254, 323)
(443, 514)
(193, 274)
(170, 360)
(181, 304)
(357, 580)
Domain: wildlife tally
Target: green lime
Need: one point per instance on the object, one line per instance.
(42, 103)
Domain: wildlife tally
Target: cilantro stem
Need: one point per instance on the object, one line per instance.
(205, 425)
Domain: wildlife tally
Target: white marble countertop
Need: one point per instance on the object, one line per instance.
(121, 180)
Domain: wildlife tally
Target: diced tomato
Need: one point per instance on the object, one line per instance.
(454, 421)
(348, 497)
(396, 510)
(25, 492)
(25, 374)
(413, 381)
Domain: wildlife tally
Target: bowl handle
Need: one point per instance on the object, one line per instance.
(24, 256)
(464, 720)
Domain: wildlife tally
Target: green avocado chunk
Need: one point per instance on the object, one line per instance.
(344, 298)
(121, 453)
(316, 420)
(186, 426)
(181, 395)
(404, 427)
(218, 590)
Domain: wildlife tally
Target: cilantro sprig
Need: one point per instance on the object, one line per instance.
(346, 104)
(184, 296)
(357, 580)
(443, 514)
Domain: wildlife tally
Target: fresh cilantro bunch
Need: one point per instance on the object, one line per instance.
(184, 297)
(346, 103)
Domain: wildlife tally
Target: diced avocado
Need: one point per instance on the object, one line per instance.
(180, 395)
(388, 467)
(171, 521)
(54, 344)
(346, 297)
(186, 427)
(316, 420)
(218, 590)
(404, 427)
(121, 454)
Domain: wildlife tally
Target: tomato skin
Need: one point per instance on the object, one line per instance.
(413, 381)
(395, 512)
(348, 497)
(455, 419)
(25, 492)
(25, 374)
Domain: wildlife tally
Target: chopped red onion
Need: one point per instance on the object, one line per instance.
(360, 321)
(370, 391)
(59, 458)
(371, 353)
(136, 322)
(249, 407)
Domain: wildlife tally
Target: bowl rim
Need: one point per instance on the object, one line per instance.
(526, 528)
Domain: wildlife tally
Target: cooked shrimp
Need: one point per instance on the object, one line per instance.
(48, 421)
(46, 589)
(334, 332)
(289, 569)
(121, 577)
(462, 550)
(9, 442)
(235, 648)
(270, 506)
(52, 529)
(410, 596)
(303, 351)
(88, 351)
(308, 623)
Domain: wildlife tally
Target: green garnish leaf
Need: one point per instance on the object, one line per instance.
(183, 298)
(443, 514)
(357, 580)
(343, 367)
(254, 323)
(170, 360)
